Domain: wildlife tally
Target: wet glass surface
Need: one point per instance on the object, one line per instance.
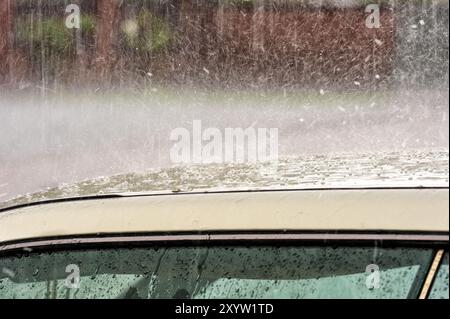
(218, 272)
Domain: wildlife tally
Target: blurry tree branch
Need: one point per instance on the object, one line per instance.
(108, 17)
(6, 36)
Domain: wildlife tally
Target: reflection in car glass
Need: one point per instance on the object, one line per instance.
(217, 272)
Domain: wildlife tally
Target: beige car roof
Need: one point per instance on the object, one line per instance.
(345, 210)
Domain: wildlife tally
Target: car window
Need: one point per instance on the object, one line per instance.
(217, 272)
(439, 290)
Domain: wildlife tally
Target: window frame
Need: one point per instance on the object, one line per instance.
(389, 239)
(432, 273)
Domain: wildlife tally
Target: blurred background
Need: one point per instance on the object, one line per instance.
(101, 100)
(290, 44)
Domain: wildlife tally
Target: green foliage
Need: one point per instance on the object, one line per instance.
(51, 34)
(88, 24)
(147, 33)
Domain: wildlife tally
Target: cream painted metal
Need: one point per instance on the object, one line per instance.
(303, 210)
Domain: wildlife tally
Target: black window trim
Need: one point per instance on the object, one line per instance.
(418, 239)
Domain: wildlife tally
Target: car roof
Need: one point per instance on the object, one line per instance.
(398, 209)
(407, 168)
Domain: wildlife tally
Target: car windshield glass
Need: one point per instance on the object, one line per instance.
(217, 272)
(100, 96)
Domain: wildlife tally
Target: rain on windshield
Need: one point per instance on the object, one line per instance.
(114, 96)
